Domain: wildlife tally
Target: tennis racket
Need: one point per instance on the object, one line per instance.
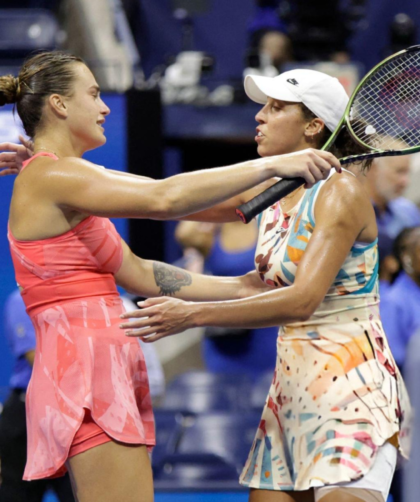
(383, 115)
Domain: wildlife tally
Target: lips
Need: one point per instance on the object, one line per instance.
(259, 135)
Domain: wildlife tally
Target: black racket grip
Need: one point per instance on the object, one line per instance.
(250, 209)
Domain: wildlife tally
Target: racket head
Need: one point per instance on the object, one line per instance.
(383, 113)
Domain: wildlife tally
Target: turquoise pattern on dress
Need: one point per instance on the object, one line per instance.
(337, 395)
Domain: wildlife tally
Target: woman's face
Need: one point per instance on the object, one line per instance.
(415, 253)
(281, 128)
(86, 110)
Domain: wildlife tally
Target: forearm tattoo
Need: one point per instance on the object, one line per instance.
(170, 279)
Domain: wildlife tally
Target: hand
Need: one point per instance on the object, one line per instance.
(251, 285)
(11, 160)
(158, 318)
(312, 165)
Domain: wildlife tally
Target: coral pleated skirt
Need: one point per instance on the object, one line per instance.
(83, 362)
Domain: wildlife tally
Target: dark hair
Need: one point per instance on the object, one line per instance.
(40, 76)
(402, 243)
(343, 146)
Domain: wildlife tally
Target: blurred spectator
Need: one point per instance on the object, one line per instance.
(400, 305)
(154, 368)
(270, 44)
(386, 182)
(228, 250)
(388, 264)
(277, 46)
(21, 338)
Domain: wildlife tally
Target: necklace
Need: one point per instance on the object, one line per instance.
(284, 200)
(41, 149)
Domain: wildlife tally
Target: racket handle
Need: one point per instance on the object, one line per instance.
(246, 212)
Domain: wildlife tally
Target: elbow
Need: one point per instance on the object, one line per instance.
(167, 202)
(306, 307)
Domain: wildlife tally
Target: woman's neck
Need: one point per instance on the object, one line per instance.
(56, 143)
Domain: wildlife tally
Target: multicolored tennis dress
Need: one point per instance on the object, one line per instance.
(336, 395)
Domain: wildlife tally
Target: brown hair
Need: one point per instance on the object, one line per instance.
(343, 146)
(40, 76)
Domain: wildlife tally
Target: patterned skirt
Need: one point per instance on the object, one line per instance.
(336, 397)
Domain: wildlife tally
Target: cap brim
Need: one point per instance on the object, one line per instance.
(260, 88)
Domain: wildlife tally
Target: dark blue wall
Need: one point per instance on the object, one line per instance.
(112, 155)
(369, 45)
(223, 32)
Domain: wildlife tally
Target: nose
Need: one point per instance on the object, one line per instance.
(261, 115)
(105, 110)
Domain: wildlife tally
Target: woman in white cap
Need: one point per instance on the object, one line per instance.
(336, 412)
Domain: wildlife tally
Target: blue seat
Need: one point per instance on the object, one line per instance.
(199, 392)
(26, 30)
(206, 378)
(199, 472)
(260, 390)
(168, 427)
(227, 435)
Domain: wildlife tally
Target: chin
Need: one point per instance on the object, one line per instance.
(98, 142)
(262, 152)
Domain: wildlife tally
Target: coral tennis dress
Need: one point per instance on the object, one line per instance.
(337, 395)
(82, 360)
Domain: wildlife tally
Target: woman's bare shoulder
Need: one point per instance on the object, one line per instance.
(344, 187)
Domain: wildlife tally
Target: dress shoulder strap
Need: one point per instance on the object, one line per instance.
(39, 154)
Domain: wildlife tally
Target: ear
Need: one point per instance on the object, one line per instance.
(314, 127)
(407, 263)
(58, 105)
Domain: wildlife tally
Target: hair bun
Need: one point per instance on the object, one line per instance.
(9, 89)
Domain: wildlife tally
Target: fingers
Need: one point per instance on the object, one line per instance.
(138, 323)
(10, 147)
(141, 332)
(318, 166)
(153, 338)
(7, 158)
(330, 158)
(134, 313)
(26, 142)
(7, 171)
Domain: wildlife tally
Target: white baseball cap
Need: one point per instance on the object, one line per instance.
(322, 94)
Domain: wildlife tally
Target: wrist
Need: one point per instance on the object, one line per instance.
(269, 168)
(199, 314)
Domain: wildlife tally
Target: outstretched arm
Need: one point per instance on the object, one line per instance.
(152, 278)
(78, 185)
(340, 217)
(310, 164)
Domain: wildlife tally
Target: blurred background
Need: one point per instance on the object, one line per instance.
(172, 73)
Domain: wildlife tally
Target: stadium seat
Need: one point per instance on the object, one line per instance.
(199, 392)
(260, 390)
(204, 378)
(26, 30)
(169, 426)
(201, 472)
(227, 435)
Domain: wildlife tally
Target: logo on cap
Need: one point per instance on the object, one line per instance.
(292, 81)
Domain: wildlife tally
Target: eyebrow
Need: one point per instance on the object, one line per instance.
(96, 87)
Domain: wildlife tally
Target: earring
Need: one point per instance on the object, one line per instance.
(407, 264)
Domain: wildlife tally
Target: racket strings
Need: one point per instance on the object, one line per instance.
(385, 114)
